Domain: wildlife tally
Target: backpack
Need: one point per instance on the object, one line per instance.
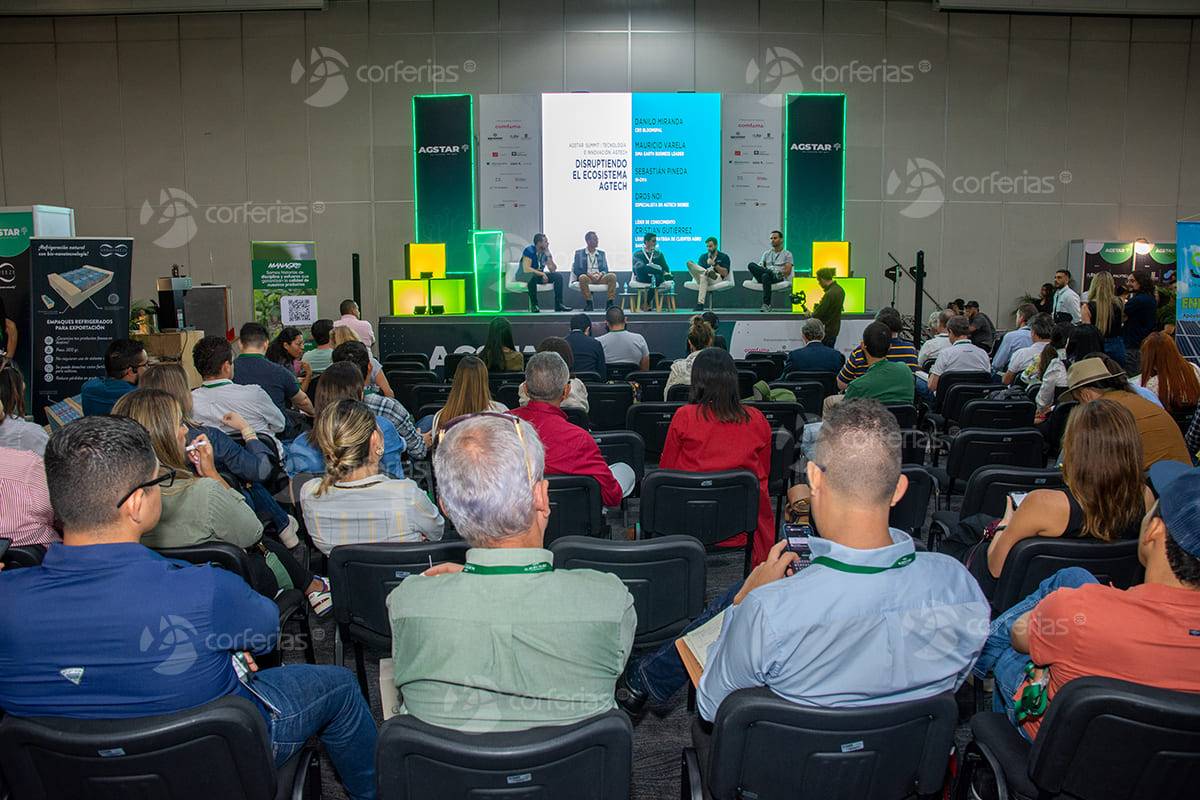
(764, 393)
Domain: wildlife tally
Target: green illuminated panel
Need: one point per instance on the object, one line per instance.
(488, 251)
(451, 293)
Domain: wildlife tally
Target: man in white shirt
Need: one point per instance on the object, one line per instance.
(939, 342)
(775, 266)
(1066, 299)
(622, 346)
(961, 356)
(1041, 328)
(218, 394)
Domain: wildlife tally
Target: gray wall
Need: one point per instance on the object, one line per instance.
(103, 114)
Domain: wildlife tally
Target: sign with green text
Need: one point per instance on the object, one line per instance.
(284, 284)
(444, 175)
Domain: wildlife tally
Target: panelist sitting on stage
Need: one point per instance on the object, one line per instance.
(622, 346)
(649, 263)
(538, 264)
(591, 269)
(829, 308)
(775, 266)
(712, 269)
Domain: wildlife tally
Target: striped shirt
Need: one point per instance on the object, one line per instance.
(372, 509)
(900, 350)
(25, 513)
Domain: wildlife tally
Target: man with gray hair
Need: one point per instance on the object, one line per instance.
(938, 342)
(813, 633)
(814, 355)
(505, 642)
(570, 450)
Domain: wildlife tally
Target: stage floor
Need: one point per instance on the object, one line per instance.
(665, 332)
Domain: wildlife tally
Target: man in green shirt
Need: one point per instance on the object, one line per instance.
(506, 642)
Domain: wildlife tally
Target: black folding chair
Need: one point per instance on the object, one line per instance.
(509, 394)
(608, 405)
(451, 364)
(651, 384)
(765, 747)
(221, 749)
(403, 380)
(577, 416)
(783, 464)
(711, 506)
(997, 414)
(496, 380)
(941, 413)
(764, 369)
(809, 394)
(783, 415)
(906, 415)
(620, 372)
(362, 576)
(909, 514)
(418, 360)
(746, 380)
(576, 508)
(987, 491)
(651, 421)
(30, 555)
(591, 759)
(665, 576)
(1101, 739)
(679, 393)
(425, 394)
(588, 377)
(1033, 560)
(655, 358)
(828, 380)
(974, 448)
(623, 447)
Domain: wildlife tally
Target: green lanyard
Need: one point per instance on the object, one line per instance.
(528, 569)
(861, 569)
(215, 385)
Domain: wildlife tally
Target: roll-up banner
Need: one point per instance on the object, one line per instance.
(283, 283)
(80, 304)
(751, 175)
(444, 175)
(16, 228)
(510, 169)
(814, 208)
(1187, 287)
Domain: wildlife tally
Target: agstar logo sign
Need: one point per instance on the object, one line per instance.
(326, 76)
(442, 149)
(12, 231)
(817, 147)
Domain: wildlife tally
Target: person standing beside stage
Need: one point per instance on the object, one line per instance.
(650, 265)
(1066, 299)
(591, 269)
(829, 308)
(713, 267)
(538, 264)
(775, 266)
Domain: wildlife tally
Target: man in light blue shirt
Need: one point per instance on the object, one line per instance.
(870, 621)
(1014, 340)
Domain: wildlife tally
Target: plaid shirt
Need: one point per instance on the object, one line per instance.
(391, 410)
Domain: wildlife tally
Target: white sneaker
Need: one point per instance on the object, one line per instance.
(765, 308)
(288, 535)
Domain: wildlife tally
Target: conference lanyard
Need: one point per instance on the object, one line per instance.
(862, 569)
(528, 569)
(215, 385)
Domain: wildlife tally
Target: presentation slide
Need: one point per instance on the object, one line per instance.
(586, 179)
(627, 164)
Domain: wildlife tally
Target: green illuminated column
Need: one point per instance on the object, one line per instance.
(488, 250)
(444, 175)
(814, 174)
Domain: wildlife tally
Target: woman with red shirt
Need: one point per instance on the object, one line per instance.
(715, 432)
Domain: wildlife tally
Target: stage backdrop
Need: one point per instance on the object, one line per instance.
(510, 169)
(444, 174)
(751, 177)
(814, 207)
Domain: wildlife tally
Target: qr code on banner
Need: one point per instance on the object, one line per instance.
(300, 310)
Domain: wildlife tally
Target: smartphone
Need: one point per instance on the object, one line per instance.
(1017, 497)
(797, 544)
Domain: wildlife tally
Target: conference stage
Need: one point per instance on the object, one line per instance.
(665, 332)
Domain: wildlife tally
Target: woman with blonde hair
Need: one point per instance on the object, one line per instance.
(1105, 496)
(700, 335)
(1105, 311)
(353, 502)
(379, 382)
(198, 506)
(469, 394)
(1168, 374)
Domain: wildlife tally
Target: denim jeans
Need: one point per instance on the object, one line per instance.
(661, 674)
(266, 508)
(324, 701)
(922, 391)
(1000, 658)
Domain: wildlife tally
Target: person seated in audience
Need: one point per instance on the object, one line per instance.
(499, 352)
(16, 432)
(961, 356)
(69, 637)
(699, 336)
(377, 382)
(1068, 344)
(938, 342)
(198, 506)
(381, 405)
(623, 346)
(1144, 634)
(890, 382)
(1091, 379)
(506, 642)
(1015, 339)
(814, 355)
(343, 381)
(470, 393)
(900, 350)
(578, 396)
(351, 318)
(983, 331)
(321, 356)
(870, 621)
(1171, 377)
(123, 362)
(252, 368)
(1024, 365)
(25, 514)
(353, 502)
(218, 394)
(587, 353)
(714, 322)
(250, 462)
(1104, 498)
(287, 350)
(569, 449)
(715, 431)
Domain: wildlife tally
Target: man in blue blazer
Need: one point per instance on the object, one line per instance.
(591, 269)
(814, 356)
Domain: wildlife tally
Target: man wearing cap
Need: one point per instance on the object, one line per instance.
(587, 354)
(1073, 626)
(1089, 379)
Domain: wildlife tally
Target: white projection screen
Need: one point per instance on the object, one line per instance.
(587, 149)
